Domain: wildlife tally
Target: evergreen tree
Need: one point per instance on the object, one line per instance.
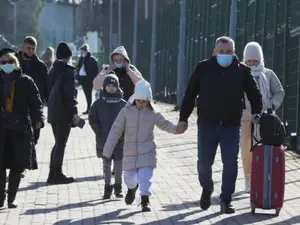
(28, 12)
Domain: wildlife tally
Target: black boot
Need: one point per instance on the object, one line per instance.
(50, 177)
(60, 178)
(118, 190)
(2, 187)
(226, 207)
(145, 204)
(130, 196)
(13, 186)
(205, 200)
(107, 191)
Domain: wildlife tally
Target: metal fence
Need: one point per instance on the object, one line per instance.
(275, 24)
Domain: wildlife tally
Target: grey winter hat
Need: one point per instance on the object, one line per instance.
(111, 79)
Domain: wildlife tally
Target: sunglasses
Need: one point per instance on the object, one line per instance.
(3, 62)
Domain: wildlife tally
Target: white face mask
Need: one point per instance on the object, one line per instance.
(8, 68)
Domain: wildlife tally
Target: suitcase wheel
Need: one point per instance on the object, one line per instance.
(253, 207)
(277, 211)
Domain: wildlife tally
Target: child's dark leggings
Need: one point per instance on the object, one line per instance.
(107, 171)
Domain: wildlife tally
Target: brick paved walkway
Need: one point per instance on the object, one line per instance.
(176, 191)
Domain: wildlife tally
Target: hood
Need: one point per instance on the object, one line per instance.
(121, 51)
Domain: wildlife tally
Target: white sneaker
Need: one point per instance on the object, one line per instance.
(247, 183)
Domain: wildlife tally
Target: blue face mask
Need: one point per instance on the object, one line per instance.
(224, 60)
(8, 68)
(118, 65)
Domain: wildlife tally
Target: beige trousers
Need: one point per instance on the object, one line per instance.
(246, 136)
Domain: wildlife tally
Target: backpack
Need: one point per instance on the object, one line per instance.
(271, 129)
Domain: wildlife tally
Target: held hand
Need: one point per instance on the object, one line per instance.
(76, 119)
(111, 67)
(126, 65)
(181, 127)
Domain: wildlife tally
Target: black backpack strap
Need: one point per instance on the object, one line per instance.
(253, 138)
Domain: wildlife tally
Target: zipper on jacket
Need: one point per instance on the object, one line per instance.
(137, 134)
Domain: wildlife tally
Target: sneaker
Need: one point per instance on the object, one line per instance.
(226, 207)
(205, 201)
(130, 196)
(247, 183)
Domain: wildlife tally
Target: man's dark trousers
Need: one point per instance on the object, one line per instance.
(87, 86)
(209, 137)
(61, 133)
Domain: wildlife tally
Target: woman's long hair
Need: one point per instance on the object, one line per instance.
(13, 58)
(48, 55)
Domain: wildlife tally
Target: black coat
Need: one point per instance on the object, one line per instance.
(220, 93)
(91, 68)
(38, 71)
(102, 115)
(62, 103)
(16, 133)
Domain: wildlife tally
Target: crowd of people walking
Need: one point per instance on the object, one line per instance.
(230, 97)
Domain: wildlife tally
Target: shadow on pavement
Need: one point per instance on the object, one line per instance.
(68, 206)
(39, 184)
(102, 219)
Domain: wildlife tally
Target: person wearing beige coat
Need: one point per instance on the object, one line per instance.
(137, 120)
(272, 97)
(127, 73)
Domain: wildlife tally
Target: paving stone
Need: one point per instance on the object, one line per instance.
(175, 190)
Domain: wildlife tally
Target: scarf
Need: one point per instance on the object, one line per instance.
(112, 97)
(259, 73)
(9, 90)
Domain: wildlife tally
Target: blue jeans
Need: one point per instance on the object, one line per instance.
(209, 137)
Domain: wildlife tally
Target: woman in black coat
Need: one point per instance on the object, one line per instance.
(62, 110)
(21, 110)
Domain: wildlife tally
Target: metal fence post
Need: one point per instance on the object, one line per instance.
(153, 50)
(233, 19)
(119, 22)
(134, 49)
(181, 56)
(110, 25)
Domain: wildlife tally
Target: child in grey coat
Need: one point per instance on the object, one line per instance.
(101, 117)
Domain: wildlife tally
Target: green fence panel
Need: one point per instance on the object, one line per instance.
(275, 24)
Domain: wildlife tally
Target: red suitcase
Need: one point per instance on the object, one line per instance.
(267, 178)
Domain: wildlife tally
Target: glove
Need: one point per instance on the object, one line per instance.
(255, 118)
